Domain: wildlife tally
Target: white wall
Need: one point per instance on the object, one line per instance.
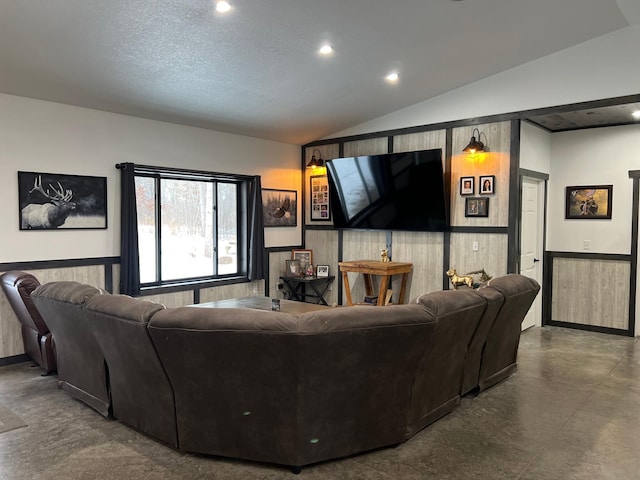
(604, 67)
(600, 156)
(535, 148)
(49, 137)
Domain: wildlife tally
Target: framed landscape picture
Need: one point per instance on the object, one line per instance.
(590, 202)
(53, 201)
(279, 207)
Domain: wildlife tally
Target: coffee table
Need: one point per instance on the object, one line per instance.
(262, 303)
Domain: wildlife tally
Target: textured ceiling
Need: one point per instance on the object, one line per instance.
(255, 71)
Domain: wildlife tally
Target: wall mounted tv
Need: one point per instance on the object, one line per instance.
(394, 191)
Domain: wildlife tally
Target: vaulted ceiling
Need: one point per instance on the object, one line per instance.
(255, 70)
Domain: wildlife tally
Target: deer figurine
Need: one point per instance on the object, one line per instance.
(48, 215)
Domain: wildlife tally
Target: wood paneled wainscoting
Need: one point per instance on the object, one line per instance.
(589, 292)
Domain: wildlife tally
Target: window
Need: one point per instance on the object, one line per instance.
(189, 226)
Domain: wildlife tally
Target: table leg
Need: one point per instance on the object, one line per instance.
(384, 285)
(368, 285)
(403, 287)
(319, 294)
(347, 289)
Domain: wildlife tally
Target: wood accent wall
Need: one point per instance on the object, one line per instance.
(370, 146)
(426, 251)
(591, 292)
(491, 255)
(361, 245)
(421, 141)
(495, 162)
(324, 244)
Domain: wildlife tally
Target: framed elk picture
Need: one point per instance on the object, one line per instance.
(51, 201)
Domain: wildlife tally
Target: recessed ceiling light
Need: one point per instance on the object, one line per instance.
(325, 49)
(393, 77)
(223, 6)
(636, 114)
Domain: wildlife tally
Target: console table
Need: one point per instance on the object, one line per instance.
(297, 287)
(385, 270)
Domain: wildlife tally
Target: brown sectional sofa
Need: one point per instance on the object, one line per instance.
(280, 388)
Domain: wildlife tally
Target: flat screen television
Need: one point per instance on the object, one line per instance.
(394, 191)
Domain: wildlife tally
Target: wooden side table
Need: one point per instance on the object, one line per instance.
(385, 270)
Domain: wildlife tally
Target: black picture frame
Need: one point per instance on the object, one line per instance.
(588, 202)
(280, 207)
(476, 207)
(319, 198)
(467, 186)
(57, 201)
(322, 271)
(486, 184)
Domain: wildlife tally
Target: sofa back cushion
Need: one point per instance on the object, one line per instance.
(81, 365)
(501, 347)
(436, 390)
(141, 394)
(494, 300)
(357, 366)
(274, 387)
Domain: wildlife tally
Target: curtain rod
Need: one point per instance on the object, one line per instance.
(153, 168)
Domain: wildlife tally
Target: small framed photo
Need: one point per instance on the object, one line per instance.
(467, 185)
(487, 184)
(305, 257)
(293, 268)
(476, 207)
(589, 202)
(322, 271)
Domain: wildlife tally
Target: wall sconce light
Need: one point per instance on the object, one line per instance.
(475, 145)
(315, 162)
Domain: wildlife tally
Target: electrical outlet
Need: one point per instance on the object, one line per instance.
(586, 244)
(475, 246)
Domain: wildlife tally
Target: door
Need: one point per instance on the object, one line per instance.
(531, 241)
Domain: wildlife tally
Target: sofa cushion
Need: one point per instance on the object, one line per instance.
(67, 292)
(124, 307)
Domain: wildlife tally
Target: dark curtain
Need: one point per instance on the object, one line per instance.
(129, 257)
(256, 267)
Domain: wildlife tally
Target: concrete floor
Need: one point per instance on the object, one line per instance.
(571, 411)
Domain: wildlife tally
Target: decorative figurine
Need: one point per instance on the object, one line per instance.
(384, 254)
(456, 280)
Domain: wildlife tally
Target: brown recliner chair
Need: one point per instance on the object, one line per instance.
(38, 340)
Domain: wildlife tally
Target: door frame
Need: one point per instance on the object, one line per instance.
(543, 179)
